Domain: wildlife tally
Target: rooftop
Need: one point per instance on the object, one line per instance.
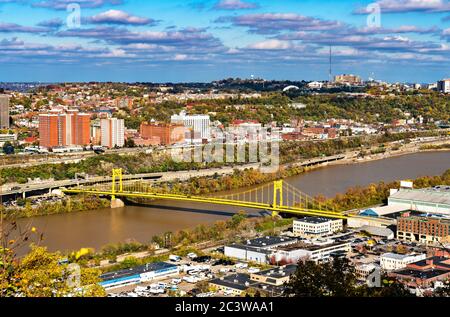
(238, 281)
(397, 256)
(137, 270)
(280, 272)
(314, 220)
(421, 274)
(438, 194)
(266, 242)
(310, 246)
(440, 261)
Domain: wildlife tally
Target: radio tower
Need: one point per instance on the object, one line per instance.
(330, 74)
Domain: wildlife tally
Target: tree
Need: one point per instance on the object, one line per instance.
(203, 286)
(337, 279)
(39, 273)
(8, 148)
(334, 278)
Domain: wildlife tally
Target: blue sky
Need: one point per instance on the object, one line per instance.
(193, 40)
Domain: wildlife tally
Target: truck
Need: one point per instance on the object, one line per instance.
(174, 258)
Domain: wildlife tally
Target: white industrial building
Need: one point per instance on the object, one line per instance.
(317, 251)
(199, 125)
(434, 200)
(394, 261)
(257, 250)
(444, 86)
(315, 227)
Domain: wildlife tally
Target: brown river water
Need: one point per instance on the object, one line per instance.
(99, 227)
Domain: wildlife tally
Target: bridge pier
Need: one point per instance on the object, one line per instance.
(117, 203)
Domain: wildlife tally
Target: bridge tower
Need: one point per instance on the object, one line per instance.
(117, 174)
(277, 195)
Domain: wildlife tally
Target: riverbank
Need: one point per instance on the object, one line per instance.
(351, 157)
(28, 208)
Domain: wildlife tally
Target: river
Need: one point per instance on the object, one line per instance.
(100, 227)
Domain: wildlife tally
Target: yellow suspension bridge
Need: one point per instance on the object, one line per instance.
(277, 197)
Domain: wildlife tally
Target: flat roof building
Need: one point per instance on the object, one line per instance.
(444, 86)
(163, 134)
(394, 261)
(277, 276)
(257, 250)
(317, 251)
(314, 227)
(140, 274)
(423, 229)
(431, 200)
(238, 284)
(424, 273)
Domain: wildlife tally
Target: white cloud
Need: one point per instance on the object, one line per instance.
(270, 45)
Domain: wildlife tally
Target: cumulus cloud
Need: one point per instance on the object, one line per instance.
(267, 23)
(55, 23)
(16, 28)
(62, 4)
(120, 18)
(399, 6)
(235, 5)
(270, 45)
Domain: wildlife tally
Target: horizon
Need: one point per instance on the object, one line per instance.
(136, 41)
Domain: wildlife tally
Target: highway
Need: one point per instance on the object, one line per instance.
(48, 186)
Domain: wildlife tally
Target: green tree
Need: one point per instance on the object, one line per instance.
(41, 274)
(334, 278)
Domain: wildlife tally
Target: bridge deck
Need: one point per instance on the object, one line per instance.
(212, 200)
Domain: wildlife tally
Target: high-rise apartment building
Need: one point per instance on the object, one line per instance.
(64, 129)
(444, 86)
(4, 112)
(113, 132)
(199, 125)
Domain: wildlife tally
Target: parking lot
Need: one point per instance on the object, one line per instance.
(192, 271)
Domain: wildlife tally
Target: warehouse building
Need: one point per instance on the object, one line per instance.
(318, 251)
(140, 274)
(257, 250)
(434, 200)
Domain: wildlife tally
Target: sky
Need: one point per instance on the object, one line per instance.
(202, 41)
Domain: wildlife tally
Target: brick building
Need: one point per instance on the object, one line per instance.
(427, 230)
(424, 273)
(161, 133)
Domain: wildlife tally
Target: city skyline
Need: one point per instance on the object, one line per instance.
(178, 41)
